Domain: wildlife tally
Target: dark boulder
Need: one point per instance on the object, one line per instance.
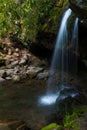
(79, 7)
(68, 99)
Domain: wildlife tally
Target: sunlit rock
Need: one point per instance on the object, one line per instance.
(43, 75)
(16, 78)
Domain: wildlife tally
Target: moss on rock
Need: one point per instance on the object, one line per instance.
(32, 74)
(52, 126)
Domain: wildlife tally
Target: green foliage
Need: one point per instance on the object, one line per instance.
(16, 19)
(52, 126)
(71, 120)
(23, 19)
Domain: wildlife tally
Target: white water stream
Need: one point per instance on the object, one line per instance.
(61, 57)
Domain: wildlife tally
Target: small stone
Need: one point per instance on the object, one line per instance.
(23, 61)
(16, 49)
(3, 73)
(2, 80)
(43, 75)
(14, 63)
(8, 78)
(16, 70)
(34, 69)
(9, 72)
(9, 52)
(15, 54)
(16, 78)
(32, 75)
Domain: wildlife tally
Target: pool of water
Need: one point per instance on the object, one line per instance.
(28, 101)
(20, 100)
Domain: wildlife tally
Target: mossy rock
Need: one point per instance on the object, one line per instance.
(32, 74)
(37, 63)
(53, 126)
(69, 103)
(76, 120)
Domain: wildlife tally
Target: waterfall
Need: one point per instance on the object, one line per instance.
(60, 56)
(74, 49)
(63, 58)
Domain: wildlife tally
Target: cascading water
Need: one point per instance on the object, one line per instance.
(74, 49)
(60, 61)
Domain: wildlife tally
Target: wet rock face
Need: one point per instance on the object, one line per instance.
(79, 7)
(68, 98)
(82, 44)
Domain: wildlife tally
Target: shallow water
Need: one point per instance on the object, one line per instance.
(20, 100)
